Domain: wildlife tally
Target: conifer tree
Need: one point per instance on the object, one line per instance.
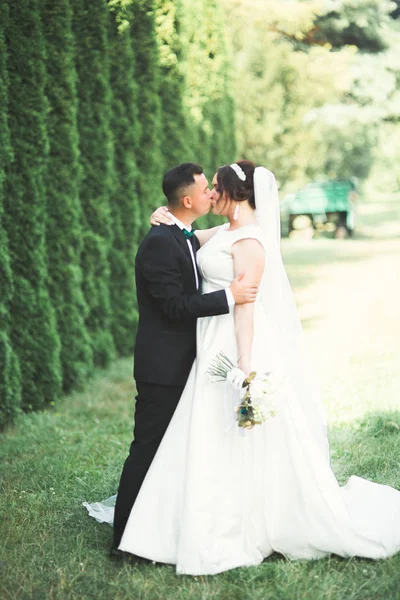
(353, 23)
(208, 98)
(209, 94)
(219, 110)
(10, 383)
(176, 143)
(149, 156)
(194, 65)
(64, 214)
(125, 207)
(33, 330)
(90, 27)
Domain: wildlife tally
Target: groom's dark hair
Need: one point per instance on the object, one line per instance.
(177, 180)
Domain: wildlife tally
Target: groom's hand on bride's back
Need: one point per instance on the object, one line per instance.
(242, 292)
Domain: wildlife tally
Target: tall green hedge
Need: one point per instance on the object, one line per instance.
(196, 65)
(175, 141)
(33, 330)
(208, 98)
(64, 213)
(219, 110)
(149, 154)
(125, 209)
(90, 27)
(10, 376)
(97, 99)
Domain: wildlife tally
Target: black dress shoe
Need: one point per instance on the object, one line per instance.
(116, 554)
(121, 556)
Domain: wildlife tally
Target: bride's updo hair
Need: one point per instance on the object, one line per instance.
(234, 188)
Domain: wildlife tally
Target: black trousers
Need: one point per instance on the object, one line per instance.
(155, 406)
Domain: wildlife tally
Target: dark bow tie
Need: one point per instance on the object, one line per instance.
(188, 234)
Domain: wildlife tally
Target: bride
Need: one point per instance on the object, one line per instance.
(218, 496)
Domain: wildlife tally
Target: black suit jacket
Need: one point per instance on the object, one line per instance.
(169, 305)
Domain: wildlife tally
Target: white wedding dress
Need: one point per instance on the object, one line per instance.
(218, 497)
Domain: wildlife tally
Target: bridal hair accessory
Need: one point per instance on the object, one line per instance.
(239, 171)
(236, 212)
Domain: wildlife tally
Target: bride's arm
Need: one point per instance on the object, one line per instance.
(161, 215)
(249, 258)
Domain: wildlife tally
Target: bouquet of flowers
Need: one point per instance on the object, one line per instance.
(257, 404)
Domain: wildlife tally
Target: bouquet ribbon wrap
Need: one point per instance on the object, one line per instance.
(233, 393)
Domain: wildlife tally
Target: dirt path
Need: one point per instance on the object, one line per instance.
(348, 293)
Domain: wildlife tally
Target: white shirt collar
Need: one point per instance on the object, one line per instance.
(179, 223)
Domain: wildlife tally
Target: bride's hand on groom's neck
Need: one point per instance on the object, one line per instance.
(161, 215)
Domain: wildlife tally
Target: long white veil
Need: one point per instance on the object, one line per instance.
(278, 301)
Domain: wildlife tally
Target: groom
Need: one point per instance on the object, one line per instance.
(170, 301)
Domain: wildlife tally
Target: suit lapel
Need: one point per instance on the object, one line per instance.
(196, 247)
(180, 236)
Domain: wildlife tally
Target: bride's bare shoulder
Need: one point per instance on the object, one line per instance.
(204, 235)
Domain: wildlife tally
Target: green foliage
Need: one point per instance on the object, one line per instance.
(95, 266)
(308, 104)
(33, 332)
(125, 209)
(395, 14)
(147, 68)
(103, 98)
(208, 100)
(376, 94)
(385, 174)
(90, 27)
(219, 109)
(276, 87)
(361, 23)
(64, 214)
(10, 384)
(348, 136)
(175, 141)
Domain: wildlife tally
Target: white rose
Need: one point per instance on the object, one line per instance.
(269, 386)
(269, 408)
(258, 388)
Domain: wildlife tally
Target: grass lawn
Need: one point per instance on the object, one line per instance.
(348, 295)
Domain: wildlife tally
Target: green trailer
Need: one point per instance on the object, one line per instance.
(322, 202)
